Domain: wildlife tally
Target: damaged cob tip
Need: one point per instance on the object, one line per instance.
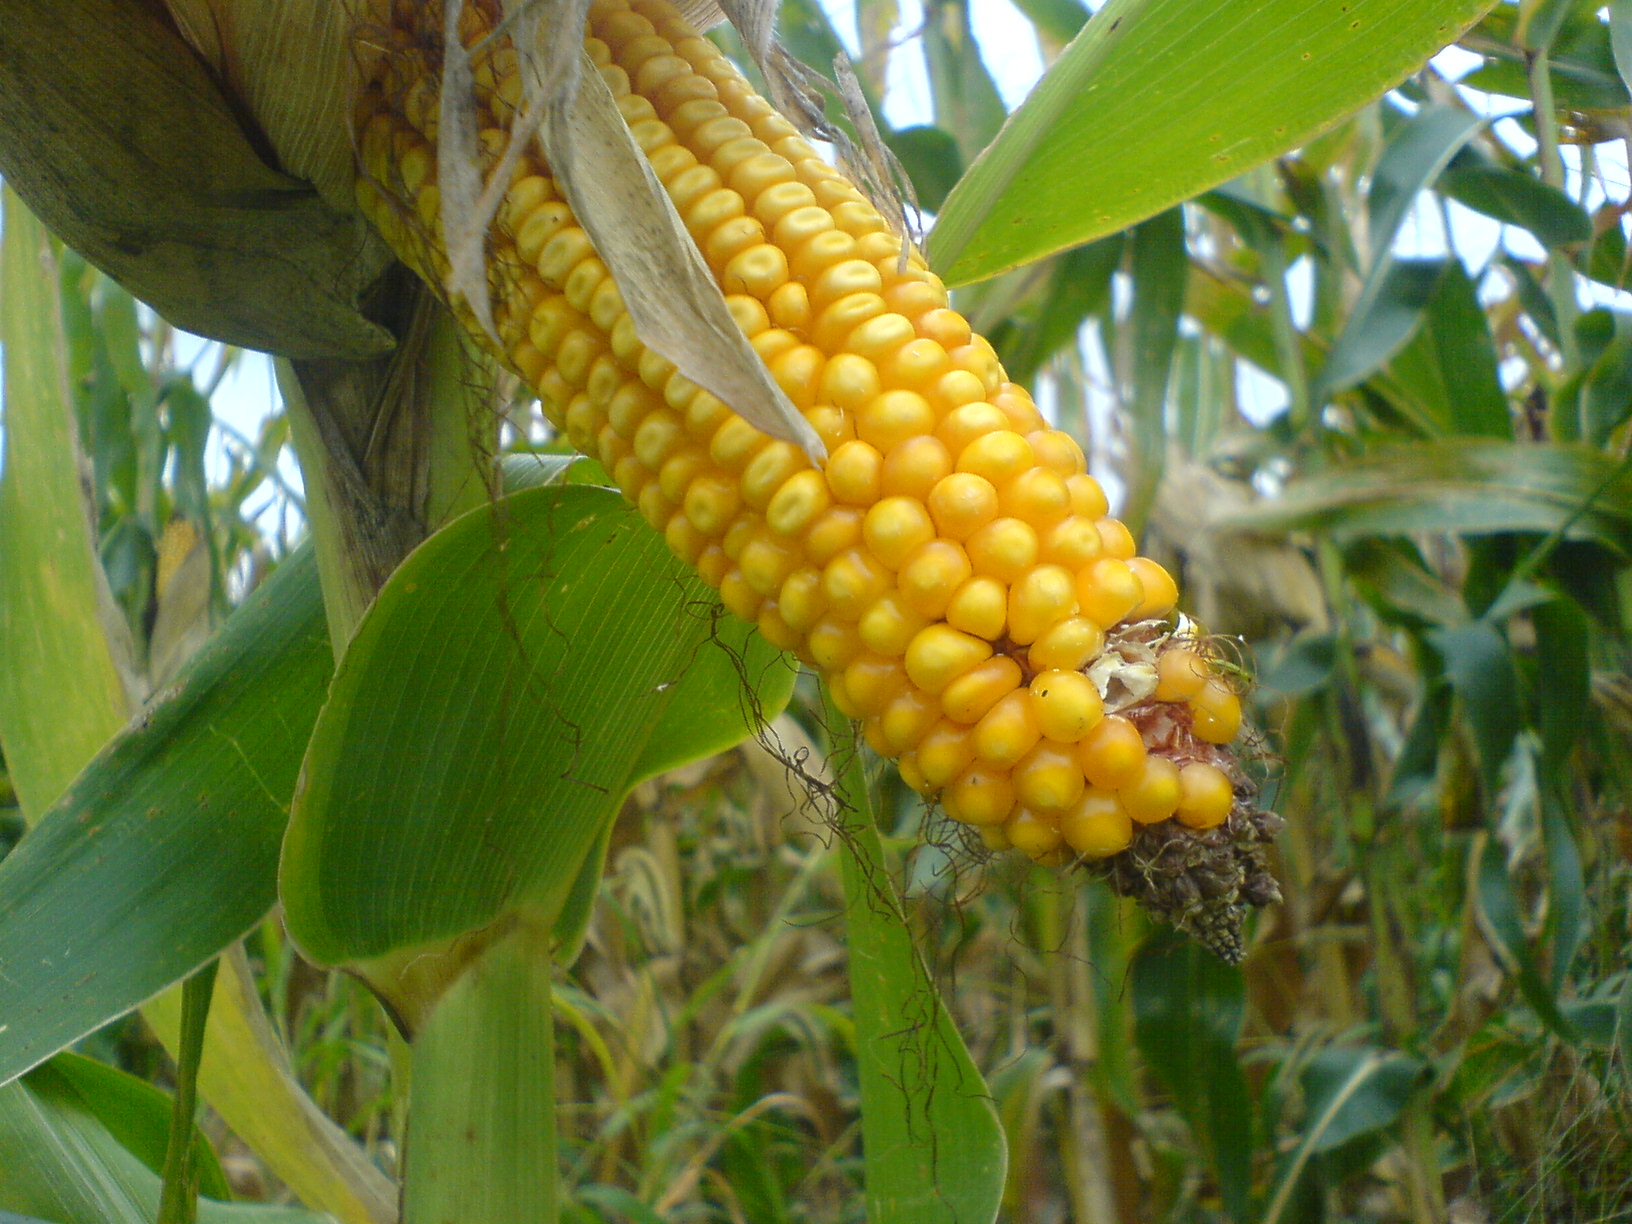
(950, 569)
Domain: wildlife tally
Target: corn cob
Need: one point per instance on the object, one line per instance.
(951, 570)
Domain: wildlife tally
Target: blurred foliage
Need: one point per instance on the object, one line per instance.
(1371, 404)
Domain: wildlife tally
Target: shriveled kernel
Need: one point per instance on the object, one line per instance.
(908, 718)
(1068, 646)
(1048, 778)
(853, 473)
(889, 625)
(1097, 825)
(961, 504)
(979, 796)
(1007, 731)
(852, 581)
(939, 654)
(1180, 674)
(1161, 593)
(1118, 540)
(1087, 497)
(1067, 705)
(1153, 795)
(797, 503)
(873, 682)
(932, 575)
(1205, 796)
(837, 529)
(971, 695)
(1003, 549)
(1034, 834)
(1217, 713)
(894, 417)
(1107, 591)
(980, 606)
(1112, 753)
(945, 752)
(1038, 600)
(915, 467)
(895, 528)
(999, 456)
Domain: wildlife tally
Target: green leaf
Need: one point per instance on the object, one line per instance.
(967, 103)
(1479, 667)
(1158, 265)
(1516, 198)
(1563, 684)
(935, 1149)
(931, 159)
(164, 850)
(1188, 1010)
(1157, 100)
(1056, 20)
(1620, 39)
(1503, 928)
(1450, 366)
(61, 695)
(1461, 486)
(64, 1165)
(1078, 285)
(498, 701)
(1603, 392)
(1381, 324)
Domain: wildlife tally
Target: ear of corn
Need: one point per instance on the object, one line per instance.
(951, 570)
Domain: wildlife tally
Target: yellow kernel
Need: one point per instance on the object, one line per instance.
(845, 277)
(789, 306)
(1008, 730)
(872, 731)
(939, 654)
(932, 575)
(801, 600)
(1048, 778)
(1112, 753)
(1034, 834)
(659, 436)
(1020, 408)
(768, 470)
(980, 795)
(1180, 674)
(999, 456)
(654, 507)
(968, 698)
(1038, 600)
(832, 424)
(752, 177)
(1067, 705)
(961, 504)
(1003, 549)
(945, 326)
(917, 363)
(1037, 495)
(1153, 795)
(907, 766)
(995, 839)
(873, 682)
(1217, 713)
(879, 336)
(852, 581)
(743, 601)
(907, 719)
(1073, 542)
(1118, 540)
(1068, 646)
(1087, 497)
(776, 630)
(1160, 591)
(821, 250)
(712, 565)
(853, 473)
(835, 321)
(839, 691)
(1205, 796)
(981, 607)
(896, 527)
(1097, 825)
(802, 497)
(767, 559)
(945, 751)
(915, 298)
(677, 472)
(838, 528)
(730, 239)
(705, 413)
(957, 389)
(968, 422)
(542, 224)
(894, 417)
(759, 270)
(734, 443)
(888, 626)
(833, 642)
(1107, 591)
(1059, 453)
(796, 372)
(684, 540)
(914, 467)
(850, 382)
(710, 502)
(792, 230)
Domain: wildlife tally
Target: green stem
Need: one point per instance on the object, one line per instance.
(481, 1144)
(1560, 276)
(178, 1203)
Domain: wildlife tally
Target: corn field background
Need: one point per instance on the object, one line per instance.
(1370, 402)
